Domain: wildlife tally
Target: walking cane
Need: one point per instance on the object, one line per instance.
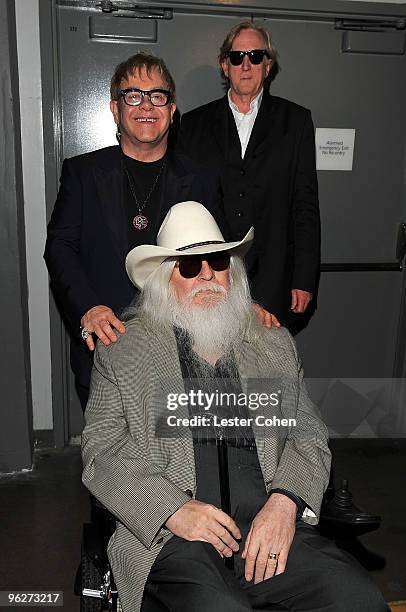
(224, 485)
(222, 457)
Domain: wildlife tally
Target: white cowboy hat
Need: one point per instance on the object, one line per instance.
(188, 229)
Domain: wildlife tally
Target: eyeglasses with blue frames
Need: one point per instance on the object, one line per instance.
(134, 96)
(255, 56)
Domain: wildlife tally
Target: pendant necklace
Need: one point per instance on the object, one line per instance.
(140, 221)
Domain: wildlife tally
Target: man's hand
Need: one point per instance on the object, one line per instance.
(196, 520)
(100, 320)
(271, 531)
(266, 318)
(300, 300)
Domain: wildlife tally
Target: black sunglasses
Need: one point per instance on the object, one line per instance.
(255, 56)
(190, 266)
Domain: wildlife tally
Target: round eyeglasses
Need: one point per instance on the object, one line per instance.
(134, 96)
(255, 56)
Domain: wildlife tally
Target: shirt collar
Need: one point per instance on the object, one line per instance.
(255, 103)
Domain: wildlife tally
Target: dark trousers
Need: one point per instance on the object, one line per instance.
(192, 577)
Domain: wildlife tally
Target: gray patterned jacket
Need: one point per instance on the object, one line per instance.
(142, 479)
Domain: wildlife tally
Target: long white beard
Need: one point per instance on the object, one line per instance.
(217, 326)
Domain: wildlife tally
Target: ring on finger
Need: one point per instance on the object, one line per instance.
(85, 333)
(273, 556)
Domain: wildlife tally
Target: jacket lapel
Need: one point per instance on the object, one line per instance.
(258, 371)
(109, 184)
(171, 381)
(176, 185)
(221, 127)
(264, 133)
(248, 367)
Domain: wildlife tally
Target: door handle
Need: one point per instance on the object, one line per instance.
(381, 266)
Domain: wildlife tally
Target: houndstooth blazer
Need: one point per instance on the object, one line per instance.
(143, 478)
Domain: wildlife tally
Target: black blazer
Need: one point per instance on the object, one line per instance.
(274, 188)
(87, 239)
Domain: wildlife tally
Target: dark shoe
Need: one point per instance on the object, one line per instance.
(342, 518)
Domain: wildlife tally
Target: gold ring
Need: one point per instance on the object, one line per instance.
(273, 556)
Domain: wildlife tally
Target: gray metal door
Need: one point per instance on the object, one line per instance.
(348, 76)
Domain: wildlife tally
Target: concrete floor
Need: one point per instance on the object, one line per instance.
(42, 514)
(40, 530)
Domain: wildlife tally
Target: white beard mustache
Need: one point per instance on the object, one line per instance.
(217, 326)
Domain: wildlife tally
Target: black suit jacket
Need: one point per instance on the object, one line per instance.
(87, 239)
(274, 188)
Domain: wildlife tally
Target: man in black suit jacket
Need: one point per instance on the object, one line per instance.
(264, 148)
(113, 199)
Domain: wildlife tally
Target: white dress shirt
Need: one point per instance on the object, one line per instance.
(245, 121)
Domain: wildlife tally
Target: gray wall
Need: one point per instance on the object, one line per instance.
(29, 77)
(15, 383)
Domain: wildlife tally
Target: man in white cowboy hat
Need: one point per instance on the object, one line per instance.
(152, 438)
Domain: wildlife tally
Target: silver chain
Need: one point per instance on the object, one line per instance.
(154, 184)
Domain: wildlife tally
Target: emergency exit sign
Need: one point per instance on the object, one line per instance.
(334, 148)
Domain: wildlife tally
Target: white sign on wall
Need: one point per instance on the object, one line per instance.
(334, 148)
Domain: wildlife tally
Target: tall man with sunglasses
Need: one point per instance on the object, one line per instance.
(264, 148)
(114, 199)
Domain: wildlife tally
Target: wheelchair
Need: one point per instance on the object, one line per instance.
(94, 581)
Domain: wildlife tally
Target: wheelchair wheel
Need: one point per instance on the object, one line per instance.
(92, 579)
(97, 588)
